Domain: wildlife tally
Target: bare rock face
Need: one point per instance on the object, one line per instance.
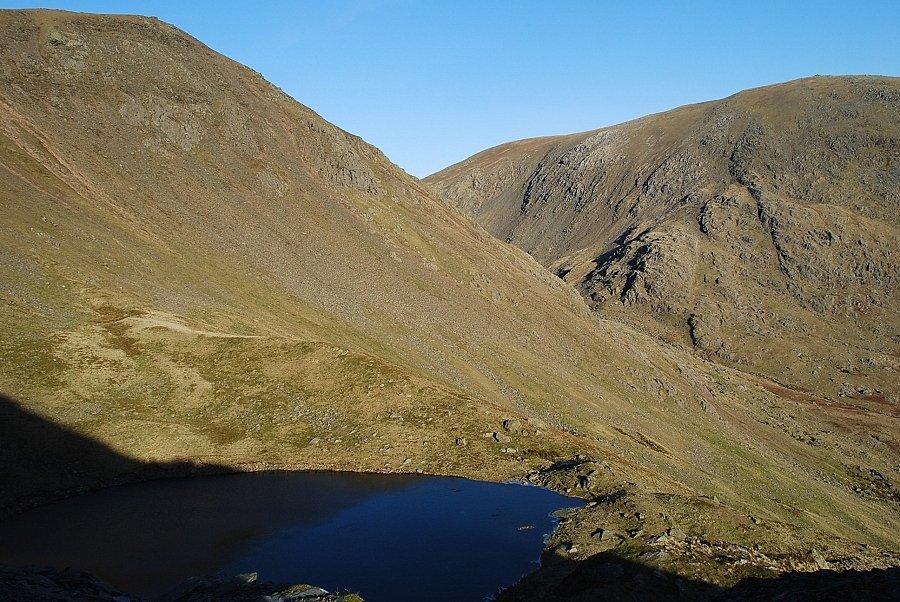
(760, 230)
(656, 271)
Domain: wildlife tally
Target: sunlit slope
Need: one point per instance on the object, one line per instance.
(760, 230)
(195, 267)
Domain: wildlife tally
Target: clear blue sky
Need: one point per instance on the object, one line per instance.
(432, 82)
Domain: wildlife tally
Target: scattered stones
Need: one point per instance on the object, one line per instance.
(313, 591)
(676, 534)
(606, 535)
(512, 425)
(673, 534)
(35, 584)
(655, 555)
(818, 559)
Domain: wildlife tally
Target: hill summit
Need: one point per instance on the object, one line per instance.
(760, 230)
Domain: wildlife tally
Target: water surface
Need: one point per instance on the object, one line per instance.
(389, 537)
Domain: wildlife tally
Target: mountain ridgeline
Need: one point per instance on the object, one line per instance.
(198, 273)
(760, 230)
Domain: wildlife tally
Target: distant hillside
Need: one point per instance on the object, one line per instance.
(198, 272)
(760, 230)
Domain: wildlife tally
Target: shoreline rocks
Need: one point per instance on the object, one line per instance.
(40, 584)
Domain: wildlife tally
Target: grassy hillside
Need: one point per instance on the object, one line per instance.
(199, 271)
(760, 230)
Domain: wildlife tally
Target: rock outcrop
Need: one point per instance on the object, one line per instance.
(760, 230)
(36, 584)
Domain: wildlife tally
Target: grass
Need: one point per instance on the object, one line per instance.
(339, 356)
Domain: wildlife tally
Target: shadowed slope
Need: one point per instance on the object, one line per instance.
(608, 576)
(42, 461)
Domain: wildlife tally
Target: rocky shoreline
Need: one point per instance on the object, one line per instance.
(655, 546)
(629, 543)
(40, 584)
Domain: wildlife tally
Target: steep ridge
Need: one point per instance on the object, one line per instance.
(760, 230)
(197, 270)
(157, 195)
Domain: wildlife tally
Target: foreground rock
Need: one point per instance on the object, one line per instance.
(629, 543)
(34, 584)
(609, 578)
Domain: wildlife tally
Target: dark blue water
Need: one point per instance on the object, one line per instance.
(388, 537)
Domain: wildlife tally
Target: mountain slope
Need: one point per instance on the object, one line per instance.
(760, 230)
(157, 194)
(197, 270)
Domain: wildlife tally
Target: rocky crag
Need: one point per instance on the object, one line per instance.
(760, 230)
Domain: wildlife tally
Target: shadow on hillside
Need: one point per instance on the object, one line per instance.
(611, 578)
(41, 461)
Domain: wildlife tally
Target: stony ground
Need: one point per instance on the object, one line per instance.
(34, 584)
(628, 543)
